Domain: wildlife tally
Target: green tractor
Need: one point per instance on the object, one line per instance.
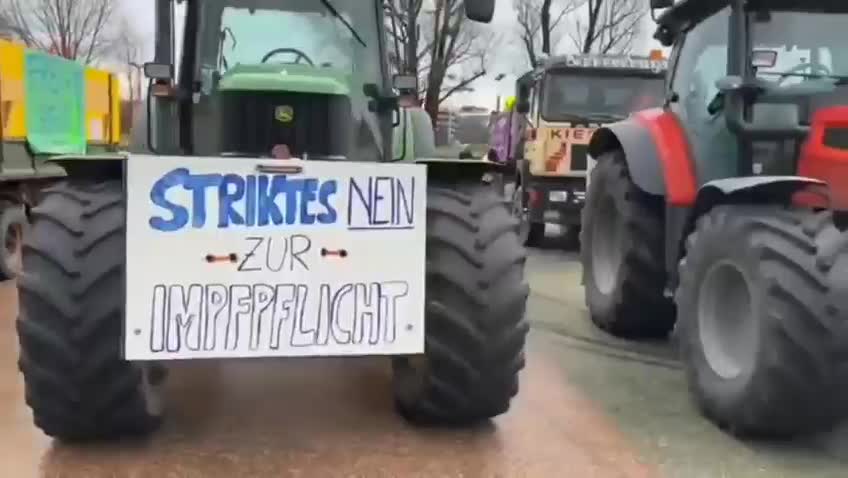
(718, 217)
(278, 90)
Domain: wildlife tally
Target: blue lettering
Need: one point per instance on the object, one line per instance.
(250, 207)
(310, 186)
(198, 184)
(269, 210)
(243, 200)
(291, 188)
(328, 189)
(226, 212)
(179, 214)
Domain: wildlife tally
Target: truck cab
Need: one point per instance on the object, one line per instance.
(560, 104)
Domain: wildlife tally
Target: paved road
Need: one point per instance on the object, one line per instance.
(589, 407)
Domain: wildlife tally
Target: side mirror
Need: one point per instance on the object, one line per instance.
(522, 107)
(379, 103)
(159, 71)
(661, 3)
(480, 10)
(405, 82)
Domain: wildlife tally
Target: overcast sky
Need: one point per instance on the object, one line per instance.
(509, 58)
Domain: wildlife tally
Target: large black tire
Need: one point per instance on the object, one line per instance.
(71, 319)
(622, 252)
(761, 330)
(475, 302)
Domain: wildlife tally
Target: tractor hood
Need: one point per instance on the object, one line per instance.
(286, 78)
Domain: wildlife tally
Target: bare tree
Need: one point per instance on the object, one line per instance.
(402, 24)
(127, 48)
(5, 24)
(74, 29)
(607, 26)
(441, 47)
(530, 27)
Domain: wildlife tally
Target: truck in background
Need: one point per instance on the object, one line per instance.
(544, 140)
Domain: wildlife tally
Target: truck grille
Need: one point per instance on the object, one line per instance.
(579, 152)
(318, 126)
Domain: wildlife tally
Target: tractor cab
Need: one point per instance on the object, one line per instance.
(771, 70)
(270, 78)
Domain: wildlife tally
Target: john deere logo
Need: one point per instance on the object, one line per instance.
(284, 114)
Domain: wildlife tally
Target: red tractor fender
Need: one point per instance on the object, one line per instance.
(657, 153)
(825, 157)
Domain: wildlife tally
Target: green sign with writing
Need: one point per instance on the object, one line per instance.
(55, 104)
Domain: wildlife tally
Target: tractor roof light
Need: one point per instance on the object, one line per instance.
(602, 61)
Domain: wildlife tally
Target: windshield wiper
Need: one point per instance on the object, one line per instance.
(336, 14)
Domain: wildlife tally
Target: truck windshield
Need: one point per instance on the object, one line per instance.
(808, 45)
(601, 97)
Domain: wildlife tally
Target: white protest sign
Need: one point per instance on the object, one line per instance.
(227, 259)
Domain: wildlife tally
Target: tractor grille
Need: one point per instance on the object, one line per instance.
(318, 123)
(578, 156)
(836, 138)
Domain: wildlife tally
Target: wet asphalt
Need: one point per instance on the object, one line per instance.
(589, 406)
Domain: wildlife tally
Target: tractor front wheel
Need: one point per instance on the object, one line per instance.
(760, 330)
(475, 301)
(71, 319)
(621, 246)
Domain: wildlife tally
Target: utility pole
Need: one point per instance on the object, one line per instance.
(497, 80)
(546, 28)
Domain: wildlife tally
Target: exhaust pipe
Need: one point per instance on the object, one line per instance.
(13, 224)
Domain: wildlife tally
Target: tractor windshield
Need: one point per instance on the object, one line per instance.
(337, 34)
(313, 36)
(804, 45)
(598, 97)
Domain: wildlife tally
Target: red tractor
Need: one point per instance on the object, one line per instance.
(718, 216)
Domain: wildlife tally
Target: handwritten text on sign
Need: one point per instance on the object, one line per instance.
(223, 261)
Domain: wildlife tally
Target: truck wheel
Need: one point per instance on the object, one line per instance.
(621, 244)
(475, 325)
(71, 319)
(571, 238)
(530, 234)
(761, 333)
